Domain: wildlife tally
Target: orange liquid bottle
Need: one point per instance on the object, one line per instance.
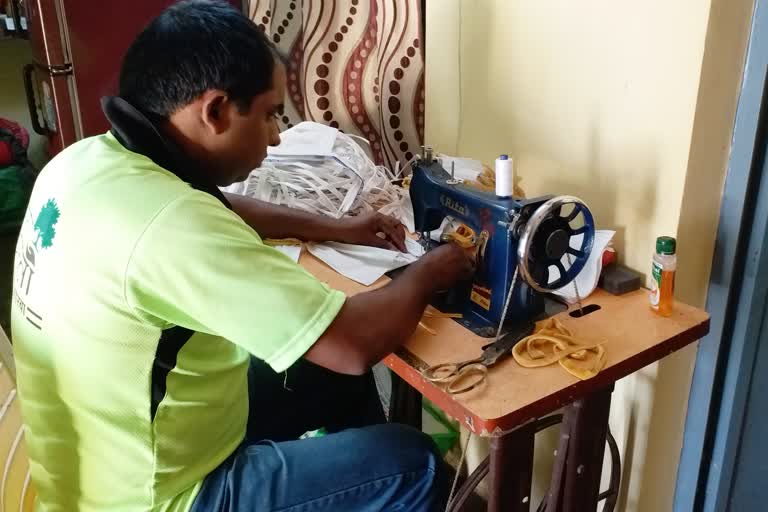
(663, 276)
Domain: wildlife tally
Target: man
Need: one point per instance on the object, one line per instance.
(167, 359)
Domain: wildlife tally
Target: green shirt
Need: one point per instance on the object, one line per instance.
(117, 259)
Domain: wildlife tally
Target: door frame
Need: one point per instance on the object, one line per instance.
(736, 298)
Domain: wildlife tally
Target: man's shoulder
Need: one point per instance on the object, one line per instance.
(103, 146)
(194, 212)
(98, 173)
(102, 156)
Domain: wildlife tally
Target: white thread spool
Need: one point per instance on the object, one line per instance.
(505, 176)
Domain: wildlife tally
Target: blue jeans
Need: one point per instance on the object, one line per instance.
(363, 465)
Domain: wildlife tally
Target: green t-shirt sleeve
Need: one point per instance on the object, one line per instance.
(199, 266)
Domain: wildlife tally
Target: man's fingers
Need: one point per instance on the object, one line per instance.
(394, 231)
(381, 243)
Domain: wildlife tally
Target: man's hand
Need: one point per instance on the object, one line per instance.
(373, 229)
(447, 265)
(390, 313)
(273, 221)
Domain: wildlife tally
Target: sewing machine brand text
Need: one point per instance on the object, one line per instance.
(454, 205)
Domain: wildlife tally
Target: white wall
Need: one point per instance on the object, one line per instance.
(628, 105)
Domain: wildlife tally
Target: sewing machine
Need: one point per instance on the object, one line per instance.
(541, 243)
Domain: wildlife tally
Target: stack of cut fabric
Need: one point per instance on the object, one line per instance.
(318, 169)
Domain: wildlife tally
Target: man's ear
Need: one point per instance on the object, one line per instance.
(216, 111)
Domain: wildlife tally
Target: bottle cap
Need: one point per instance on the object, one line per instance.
(503, 157)
(666, 245)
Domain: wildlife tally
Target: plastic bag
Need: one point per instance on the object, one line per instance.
(16, 176)
(15, 188)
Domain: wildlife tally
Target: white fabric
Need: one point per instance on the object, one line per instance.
(404, 212)
(465, 169)
(321, 170)
(305, 140)
(292, 251)
(590, 275)
(361, 263)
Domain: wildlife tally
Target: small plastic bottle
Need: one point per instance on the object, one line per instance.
(663, 276)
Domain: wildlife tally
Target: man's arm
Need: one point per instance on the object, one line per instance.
(274, 221)
(370, 325)
(373, 324)
(215, 277)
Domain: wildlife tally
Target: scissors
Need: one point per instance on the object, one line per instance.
(456, 375)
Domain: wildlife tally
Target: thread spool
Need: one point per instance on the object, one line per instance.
(505, 176)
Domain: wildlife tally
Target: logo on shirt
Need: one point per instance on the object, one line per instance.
(28, 249)
(45, 224)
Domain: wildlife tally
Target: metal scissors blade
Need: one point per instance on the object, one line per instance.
(495, 351)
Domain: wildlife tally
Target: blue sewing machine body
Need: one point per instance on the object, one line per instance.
(497, 224)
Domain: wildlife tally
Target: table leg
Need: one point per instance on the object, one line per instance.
(576, 476)
(404, 403)
(511, 470)
(470, 484)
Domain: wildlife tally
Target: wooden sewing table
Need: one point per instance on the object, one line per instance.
(514, 402)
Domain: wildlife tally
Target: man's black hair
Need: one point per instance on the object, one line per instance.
(192, 47)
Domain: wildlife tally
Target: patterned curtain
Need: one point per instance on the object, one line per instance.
(357, 65)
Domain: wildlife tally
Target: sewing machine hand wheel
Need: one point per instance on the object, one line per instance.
(550, 239)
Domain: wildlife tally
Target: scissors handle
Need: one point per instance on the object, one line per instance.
(468, 378)
(460, 377)
(443, 372)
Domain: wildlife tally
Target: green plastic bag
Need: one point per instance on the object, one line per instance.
(443, 430)
(15, 188)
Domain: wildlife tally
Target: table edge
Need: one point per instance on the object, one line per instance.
(495, 427)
